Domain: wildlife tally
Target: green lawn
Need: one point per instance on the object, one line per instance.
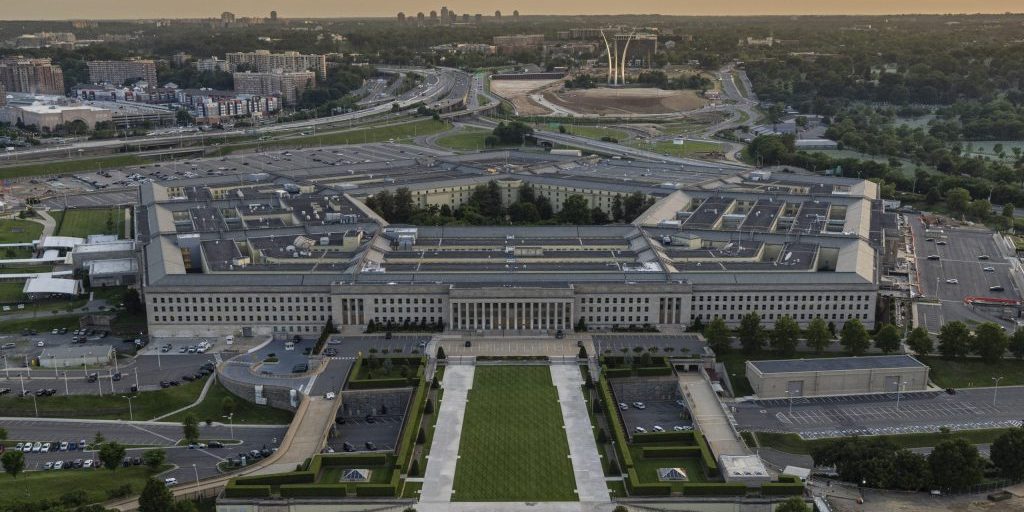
(513, 446)
(246, 413)
(28, 269)
(71, 166)
(10, 291)
(596, 132)
(464, 140)
(50, 485)
(974, 372)
(17, 230)
(85, 222)
(792, 443)
(399, 132)
(44, 323)
(147, 405)
(647, 469)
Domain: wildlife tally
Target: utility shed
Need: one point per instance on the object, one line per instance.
(786, 378)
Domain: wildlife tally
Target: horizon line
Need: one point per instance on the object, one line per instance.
(491, 16)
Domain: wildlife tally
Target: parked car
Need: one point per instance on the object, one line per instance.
(170, 481)
(370, 445)
(639, 405)
(87, 464)
(58, 465)
(639, 430)
(623, 406)
(657, 428)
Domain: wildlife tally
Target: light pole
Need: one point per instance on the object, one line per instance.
(136, 377)
(995, 391)
(898, 389)
(194, 468)
(789, 393)
(131, 414)
(7, 372)
(231, 423)
(66, 391)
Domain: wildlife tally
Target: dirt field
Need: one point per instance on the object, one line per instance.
(626, 101)
(517, 92)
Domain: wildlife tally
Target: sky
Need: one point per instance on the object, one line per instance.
(109, 9)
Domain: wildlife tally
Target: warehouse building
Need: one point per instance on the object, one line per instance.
(788, 378)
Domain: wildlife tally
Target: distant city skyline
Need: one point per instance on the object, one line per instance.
(117, 9)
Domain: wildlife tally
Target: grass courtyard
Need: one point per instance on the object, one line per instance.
(513, 447)
(35, 486)
(17, 230)
(85, 222)
(974, 372)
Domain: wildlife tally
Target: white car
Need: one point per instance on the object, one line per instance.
(640, 430)
(657, 428)
(330, 395)
(45, 448)
(40, 343)
(58, 465)
(623, 406)
(681, 402)
(48, 465)
(63, 446)
(952, 281)
(18, 447)
(989, 269)
(87, 464)
(170, 481)
(37, 446)
(26, 448)
(639, 405)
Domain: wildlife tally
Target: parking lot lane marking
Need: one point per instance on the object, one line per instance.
(161, 436)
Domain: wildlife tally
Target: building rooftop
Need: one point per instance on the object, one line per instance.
(836, 364)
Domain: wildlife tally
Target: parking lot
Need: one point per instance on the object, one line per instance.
(146, 372)
(819, 417)
(960, 271)
(650, 402)
(383, 433)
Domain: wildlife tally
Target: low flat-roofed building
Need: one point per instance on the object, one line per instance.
(82, 254)
(43, 287)
(75, 355)
(745, 469)
(60, 242)
(118, 272)
(836, 376)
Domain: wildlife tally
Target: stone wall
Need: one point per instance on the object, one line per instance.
(359, 403)
(277, 397)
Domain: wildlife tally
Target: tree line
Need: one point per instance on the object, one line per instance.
(784, 337)
(485, 207)
(953, 464)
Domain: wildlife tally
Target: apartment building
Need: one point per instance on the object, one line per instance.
(33, 76)
(262, 61)
(289, 86)
(117, 72)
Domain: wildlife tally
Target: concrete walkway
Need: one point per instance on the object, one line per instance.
(586, 463)
(439, 478)
(708, 415)
(306, 436)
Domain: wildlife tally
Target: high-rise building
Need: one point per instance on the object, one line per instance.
(34, 76)
(288, 85)
(273, 15)
(263, 61)
(444, 13)
(117, 72)
(227, 18)
(3, 95)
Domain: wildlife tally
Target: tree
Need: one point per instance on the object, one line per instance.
(785, 336)
(184, 118)
(854, 337)
(428, 407)
(887, 339)
(3, 433)
(954, 340)
(910, 471)
(955, 464)
(421, 436)
(190, 428)
(227, 406)
(575, 210)
(111, 454)
(154, 458)
(13, 462)
(794, 504)
(132, 302)
(440, 353)
(414, 468)
(989, 342)
(957, 199)
(818, 336)
(98, 439)
(1008, 210)
(718, 336)
(1016, 345)
(155, 497)
(1007, 453)
(750, 332)
(920, 341)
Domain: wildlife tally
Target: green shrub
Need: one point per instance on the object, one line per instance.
(365, 459)
(295, 477)
(782, 489)
(671, 452)
(233, 490)
(313, 490)
(686, 438)
(714, 489)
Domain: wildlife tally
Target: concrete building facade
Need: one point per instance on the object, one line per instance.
(263, 61)
(33, 76)
(117, 72)
(289, 86)
(837, 376)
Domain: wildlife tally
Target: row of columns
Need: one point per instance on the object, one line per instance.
(350, 312)
(531, 315)
(671, 311)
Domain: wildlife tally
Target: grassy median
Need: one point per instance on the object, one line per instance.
(246, 413)
(35, 486)
(147, 404)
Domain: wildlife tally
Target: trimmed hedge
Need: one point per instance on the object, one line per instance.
(652, 371)
(233, 490)
(614, 418)
(295, 477)
(407, 439)
(314, 490)
(615, 373)
(710, 464)
(366, 459)
(714, 489)
(782, 489)
(381, 383)
(397, 382)
(686, 437)
(671, 452)
(385, 490)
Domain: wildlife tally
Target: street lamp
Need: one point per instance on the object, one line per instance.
(995, 391)
(131, 414)
(902, 385)
(231, 422)
(790, 393)
(197, 476)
